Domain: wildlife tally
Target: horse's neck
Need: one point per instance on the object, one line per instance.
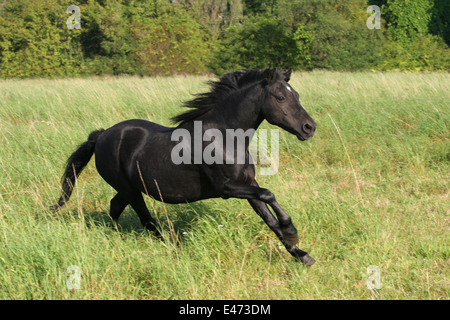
(238, 112)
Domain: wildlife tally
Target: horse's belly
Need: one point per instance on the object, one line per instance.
(175, 185)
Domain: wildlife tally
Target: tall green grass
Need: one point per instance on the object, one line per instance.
(371, 188)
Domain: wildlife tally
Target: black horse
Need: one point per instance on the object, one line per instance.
(135, 156)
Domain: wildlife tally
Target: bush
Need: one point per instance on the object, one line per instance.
(160, 37)
(426, 53)
(171, 43)
(259, 42)
(407, 19)
(342, 40)
(410, 46)
(35, 42)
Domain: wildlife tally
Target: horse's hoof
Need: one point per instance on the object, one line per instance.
(156, 234)
(55, 207)
(307, 260)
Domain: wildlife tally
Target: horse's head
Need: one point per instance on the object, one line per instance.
(282, 107)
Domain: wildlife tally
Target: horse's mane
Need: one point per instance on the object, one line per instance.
(219, 89)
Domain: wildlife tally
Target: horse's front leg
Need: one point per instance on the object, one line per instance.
(253, 191)
(263, 211)
(283, 227)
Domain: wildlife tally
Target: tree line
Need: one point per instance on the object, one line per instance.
(165, 37)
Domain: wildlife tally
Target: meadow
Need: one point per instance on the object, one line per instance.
(371, 188)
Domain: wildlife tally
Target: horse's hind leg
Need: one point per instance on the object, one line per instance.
(138, 204)
(128, 195)
(117, 205)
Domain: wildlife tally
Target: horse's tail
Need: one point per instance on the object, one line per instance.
(75, 164)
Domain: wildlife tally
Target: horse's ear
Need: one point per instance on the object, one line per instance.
(287, 75)
(272, 76)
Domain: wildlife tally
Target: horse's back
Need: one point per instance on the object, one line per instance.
(140, 124)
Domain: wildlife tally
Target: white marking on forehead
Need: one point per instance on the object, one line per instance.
(289, 88)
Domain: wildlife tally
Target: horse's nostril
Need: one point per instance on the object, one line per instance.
(307, 128)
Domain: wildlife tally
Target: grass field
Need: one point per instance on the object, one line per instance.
(370, 189)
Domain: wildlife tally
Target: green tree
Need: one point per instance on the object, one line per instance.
(258, 7)
(342, 40)
(259, 42)
(410, 45)
(215, 14)
(407, 19)
(106, 38)
(440, 23)
(35, 41)
(169, 40)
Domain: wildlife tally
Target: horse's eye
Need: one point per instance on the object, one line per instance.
(281, 98)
